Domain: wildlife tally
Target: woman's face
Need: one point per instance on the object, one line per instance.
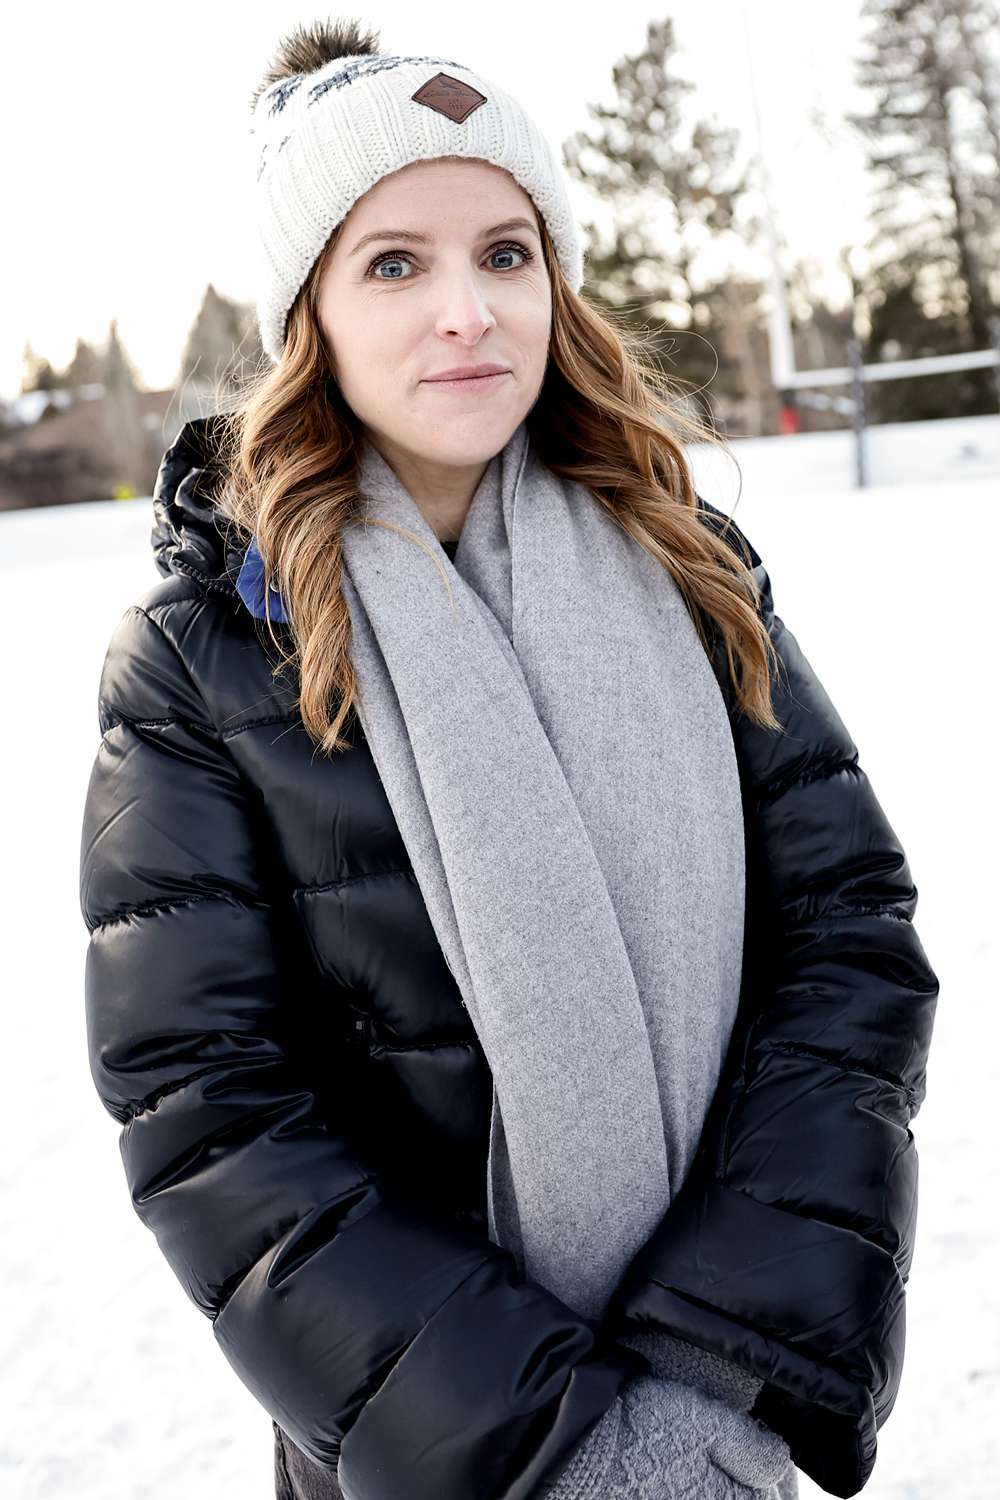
(396, 311)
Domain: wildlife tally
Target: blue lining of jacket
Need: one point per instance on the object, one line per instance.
(250, 587)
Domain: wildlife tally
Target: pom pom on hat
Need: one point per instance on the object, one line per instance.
(332, 115)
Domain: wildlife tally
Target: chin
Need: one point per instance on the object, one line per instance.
(468, 434)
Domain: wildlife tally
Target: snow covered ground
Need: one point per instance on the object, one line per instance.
(112, 1386)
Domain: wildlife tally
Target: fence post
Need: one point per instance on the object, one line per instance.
(995, 335)
(858, 411)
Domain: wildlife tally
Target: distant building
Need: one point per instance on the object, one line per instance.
(57, 447)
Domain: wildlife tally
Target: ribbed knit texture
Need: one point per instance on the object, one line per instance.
(675, 1359)
(320, 140)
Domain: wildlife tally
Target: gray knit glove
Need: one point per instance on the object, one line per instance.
(661, 1440)
(677, 1359)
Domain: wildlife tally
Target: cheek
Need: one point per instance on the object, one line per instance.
(536, 327)
(362, 348)
(373, 377)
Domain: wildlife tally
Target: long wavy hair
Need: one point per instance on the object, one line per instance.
(605, 416)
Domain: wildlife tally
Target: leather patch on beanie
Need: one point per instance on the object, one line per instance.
(449, 96)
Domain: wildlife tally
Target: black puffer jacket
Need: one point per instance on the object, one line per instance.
(305, 1105)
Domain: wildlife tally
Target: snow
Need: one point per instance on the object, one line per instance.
(112, 1384)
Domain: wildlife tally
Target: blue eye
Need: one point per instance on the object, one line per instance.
(402, 256)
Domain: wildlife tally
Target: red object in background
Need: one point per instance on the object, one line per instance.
(789, 420)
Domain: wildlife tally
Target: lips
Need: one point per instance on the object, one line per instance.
(470, 383)
(469, 372)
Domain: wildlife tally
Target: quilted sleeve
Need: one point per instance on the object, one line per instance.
(395, 1348)
(791, 1240)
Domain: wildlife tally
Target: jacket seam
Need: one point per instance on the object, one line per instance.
(780, 1208)
(211, 729)
(890, 909)
(150, 1103)
(163, 902)
(783, 1208)
(248, 788)
(222, 735)
(288, 718)
(204, 582)
(734, 1317)
(772, 790)
(380, 1047)
(819, 913)
(797, 1049)
(333, 885)
(176, 653)
(119, 719)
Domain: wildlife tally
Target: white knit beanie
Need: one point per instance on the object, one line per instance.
(322, 138)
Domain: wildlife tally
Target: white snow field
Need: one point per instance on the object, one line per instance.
(112, 1386)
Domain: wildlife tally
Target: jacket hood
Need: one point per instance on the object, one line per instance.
(191, 536)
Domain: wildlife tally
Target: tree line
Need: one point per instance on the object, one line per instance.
(678, 186)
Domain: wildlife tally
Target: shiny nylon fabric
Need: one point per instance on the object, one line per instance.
(304, 1107)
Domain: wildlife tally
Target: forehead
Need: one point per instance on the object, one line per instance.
(428, 188)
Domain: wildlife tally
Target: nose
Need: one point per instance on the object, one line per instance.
(465, 309)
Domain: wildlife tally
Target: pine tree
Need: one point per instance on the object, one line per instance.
(900, 327)
(222, 339)
(38, 373)
(644, 157)
(931, 227)
(979, 24)
(119, 371)
(126, 439)
(85, 368)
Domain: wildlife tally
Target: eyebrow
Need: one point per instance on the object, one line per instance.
(424, 239)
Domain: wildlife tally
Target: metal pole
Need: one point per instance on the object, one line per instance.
(995, 335)
(858, 411)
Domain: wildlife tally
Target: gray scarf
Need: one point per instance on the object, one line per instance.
(558, 756)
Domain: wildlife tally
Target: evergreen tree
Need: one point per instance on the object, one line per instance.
(38, 373)
(979, 24)
(900, 328)
(85, 368)
(222, 341)
(126, 438)
(643, 157)
(932, 228)
(119, 372)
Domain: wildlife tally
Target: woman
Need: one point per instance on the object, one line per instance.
(517, 1072)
